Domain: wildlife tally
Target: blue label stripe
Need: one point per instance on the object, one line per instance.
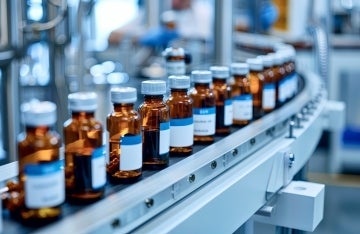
(131, 140)
(228, 102)
(181, 122)
(44, 168)
(164, 126)
(243, 97)
(204, 111)
(269, 86)
(98, 152)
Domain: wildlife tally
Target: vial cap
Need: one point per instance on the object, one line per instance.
(123, 95)
(287, 54)
(153, 87)
(239, 68)
(255, 64)
(82, 101)
(36, 113)
(221, 72)
(171, 51)
(179, 82)
(278, 58)
(201, 76)
(267, 60)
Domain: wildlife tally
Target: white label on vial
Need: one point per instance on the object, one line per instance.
(204, 121)
(268, 99)
(44, 184)
(282, 90)
(175, 68)
(228, 112)
(98, 170)
(182, 131)
(131, 152)
(164, 137)
(243, 107)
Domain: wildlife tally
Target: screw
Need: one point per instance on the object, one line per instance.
(149, 202)
(291, 129)
(291, 158)
(305, 112)
(213, 164)
(298, 120)
(252, 141)
(191, 178)
(234, 152)
(115, 223)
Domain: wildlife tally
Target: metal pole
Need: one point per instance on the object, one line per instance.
(152, 13)
(223, 31)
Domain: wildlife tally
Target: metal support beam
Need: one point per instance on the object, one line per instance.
(223, 31)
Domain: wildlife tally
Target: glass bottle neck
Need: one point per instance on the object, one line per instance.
(179, 91)
(219, 81)
(240, 78)
(37, 130)
(153, 97)
(119, 107)
(202, 85)
(82, 115)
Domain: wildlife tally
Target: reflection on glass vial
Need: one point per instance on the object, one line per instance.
(181, 116)
(222, 92)
(204, 110)
(241, 94)
(41, 173)
(125, 139)
(85, 174)
(155, 125)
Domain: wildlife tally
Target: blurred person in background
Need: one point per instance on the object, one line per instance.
(191, 19)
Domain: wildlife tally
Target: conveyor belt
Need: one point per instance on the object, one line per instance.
(134, 207)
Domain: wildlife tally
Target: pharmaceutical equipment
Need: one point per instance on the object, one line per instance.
(247, 175)
(219, 187)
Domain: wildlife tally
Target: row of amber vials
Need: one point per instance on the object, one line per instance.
(43, 183)
(137, 139)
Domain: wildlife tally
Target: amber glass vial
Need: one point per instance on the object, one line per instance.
(125, 139)
(181, 116)
(293, 75)
(204, 111)
(279, 72)
(155, 125)
(85, 173)
(269, 87)
(256, 78)
(41, 173)
(222, 92)
(174, 61)
(241, 94)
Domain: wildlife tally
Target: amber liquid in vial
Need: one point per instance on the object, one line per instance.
(82, 137)
(124, 123)
(241, 95)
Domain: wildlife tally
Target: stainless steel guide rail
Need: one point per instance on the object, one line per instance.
(175, 198)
